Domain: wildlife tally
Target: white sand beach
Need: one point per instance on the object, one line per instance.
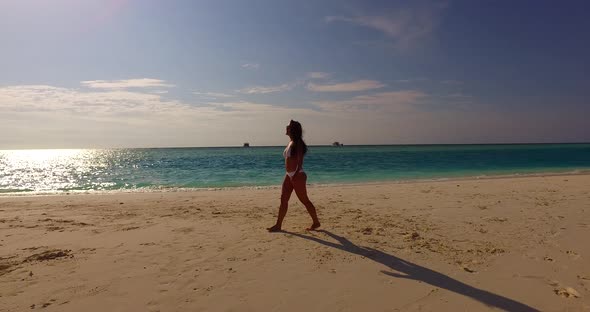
(516, 244)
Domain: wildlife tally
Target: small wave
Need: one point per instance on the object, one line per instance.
(3, 191)
(167, 188)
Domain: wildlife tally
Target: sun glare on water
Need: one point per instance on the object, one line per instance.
(48, 170)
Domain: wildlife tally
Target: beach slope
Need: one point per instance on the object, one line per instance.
(516, 244)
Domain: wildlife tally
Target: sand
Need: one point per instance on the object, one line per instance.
(516, 244)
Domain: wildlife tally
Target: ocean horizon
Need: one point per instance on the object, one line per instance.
(48, 171)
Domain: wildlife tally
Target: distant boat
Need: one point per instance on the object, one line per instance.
(337, 144)
(246, 144)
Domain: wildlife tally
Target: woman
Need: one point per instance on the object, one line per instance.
(295, 179)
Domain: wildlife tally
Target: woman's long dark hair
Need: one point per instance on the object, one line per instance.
(297, 137)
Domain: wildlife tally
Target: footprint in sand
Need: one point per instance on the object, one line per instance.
(584, 281)
(129, 228)
(497, 219)
(50, 255)
(562, 291)
(184, 230)
(567, 292)
(574, 255)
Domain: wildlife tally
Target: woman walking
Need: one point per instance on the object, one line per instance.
(295, 179)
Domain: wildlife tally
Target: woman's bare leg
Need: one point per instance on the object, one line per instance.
(299, 185)
(286, 191)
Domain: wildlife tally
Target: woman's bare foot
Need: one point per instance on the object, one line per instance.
(314, 226)
(274, 228)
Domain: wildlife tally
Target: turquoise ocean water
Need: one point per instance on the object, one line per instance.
(51, 171)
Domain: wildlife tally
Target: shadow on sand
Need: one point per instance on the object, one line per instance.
(413, 271)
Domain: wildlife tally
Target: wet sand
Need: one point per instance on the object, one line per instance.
(517, 244)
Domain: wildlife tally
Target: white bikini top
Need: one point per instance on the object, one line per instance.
(287, 151)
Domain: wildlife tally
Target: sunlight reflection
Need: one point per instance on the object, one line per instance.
(54, 169)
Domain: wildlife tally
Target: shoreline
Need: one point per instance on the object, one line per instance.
(173, 189)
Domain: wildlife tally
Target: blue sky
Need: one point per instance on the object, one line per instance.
(212, 73)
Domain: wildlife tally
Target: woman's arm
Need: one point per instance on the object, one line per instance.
(299, 159)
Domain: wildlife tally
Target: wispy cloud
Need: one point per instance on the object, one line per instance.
(213, 95)
(317, 75)
(120, 104)
(411, 80)
(68, 117)
(252, 107)
(406, 26)
(394, 101)
(266, 89)
(253, 66)
(359, 85)
(44, 98)
(127, 83)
